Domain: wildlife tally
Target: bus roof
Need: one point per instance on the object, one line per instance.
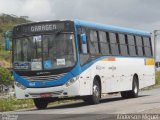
(110, 28)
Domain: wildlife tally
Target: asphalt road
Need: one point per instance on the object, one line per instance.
(148, 102)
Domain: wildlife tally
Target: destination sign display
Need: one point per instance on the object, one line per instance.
(47, 27)
(43, 27)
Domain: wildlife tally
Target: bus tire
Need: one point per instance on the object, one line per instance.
(134, 92)
(40, 103)
(96, 95)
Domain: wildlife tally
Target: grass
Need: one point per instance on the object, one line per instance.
(5, 55)
(11, 103)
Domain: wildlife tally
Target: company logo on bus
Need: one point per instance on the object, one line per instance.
(43, 73)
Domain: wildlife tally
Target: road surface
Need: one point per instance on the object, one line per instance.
(148, 102)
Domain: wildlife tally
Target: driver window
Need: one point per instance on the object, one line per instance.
(83, 47)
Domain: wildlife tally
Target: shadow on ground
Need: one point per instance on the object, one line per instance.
(81, 103)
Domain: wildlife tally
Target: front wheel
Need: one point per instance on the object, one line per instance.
(40, 103)
(96, 95)
(134, 92)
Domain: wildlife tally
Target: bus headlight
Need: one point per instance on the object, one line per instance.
(20, 86)
(71, 81)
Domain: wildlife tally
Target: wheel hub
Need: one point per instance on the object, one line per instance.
(135, 88)
(96, 91)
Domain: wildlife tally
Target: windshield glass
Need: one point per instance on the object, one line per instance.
(44, 52)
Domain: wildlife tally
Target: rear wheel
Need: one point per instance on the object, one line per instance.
(134, 92)
(40, 103)
(96, 95)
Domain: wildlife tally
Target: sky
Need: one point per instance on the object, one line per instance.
(137, 14)
(140, 14)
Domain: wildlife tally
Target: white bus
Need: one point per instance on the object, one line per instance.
(74, 58)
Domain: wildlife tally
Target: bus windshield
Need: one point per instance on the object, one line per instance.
(43, 52)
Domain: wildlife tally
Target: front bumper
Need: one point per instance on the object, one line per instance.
(58, 91)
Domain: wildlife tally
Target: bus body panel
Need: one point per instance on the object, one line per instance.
(116, 75)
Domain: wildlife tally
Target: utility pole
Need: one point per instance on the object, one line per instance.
(156, 34)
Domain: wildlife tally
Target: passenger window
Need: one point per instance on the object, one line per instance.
(93, 44)
(114, 44)
(131, 44)
(123, 45)
(147, 46)
(139, 45)
(148, 51)
(146, 41)
(104, 43)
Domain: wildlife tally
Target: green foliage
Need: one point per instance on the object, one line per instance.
(5, 55)
(11, 103)
(7, 22)
(158, 78)
(5, 76)
(7, 26)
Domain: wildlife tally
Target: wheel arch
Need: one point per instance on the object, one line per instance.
(137, 78)
(98, 79)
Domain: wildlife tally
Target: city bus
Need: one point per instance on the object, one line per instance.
(80, 59)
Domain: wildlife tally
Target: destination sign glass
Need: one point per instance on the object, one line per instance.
(43, 27)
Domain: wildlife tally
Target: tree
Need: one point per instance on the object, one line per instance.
(5, 77)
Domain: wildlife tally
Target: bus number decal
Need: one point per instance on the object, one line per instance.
(61, 62)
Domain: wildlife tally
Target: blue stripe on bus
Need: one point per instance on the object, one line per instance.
(80, 23)
(77, 70)
(50, 83)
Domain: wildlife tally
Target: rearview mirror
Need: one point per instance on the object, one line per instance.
(84, 43)
(84, 38)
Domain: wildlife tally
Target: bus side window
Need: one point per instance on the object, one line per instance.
(84, 43)
(139, 45)
(93, 43)
(79, 43)
(123, 45)
(83, 47)
(147, 46)
(132, 47)
(151, 47)
(113, 43)
(104, 43)
(82, 40)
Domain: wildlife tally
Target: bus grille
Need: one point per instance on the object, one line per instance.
(41, 78)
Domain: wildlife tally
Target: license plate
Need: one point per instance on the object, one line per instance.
(45, 95)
